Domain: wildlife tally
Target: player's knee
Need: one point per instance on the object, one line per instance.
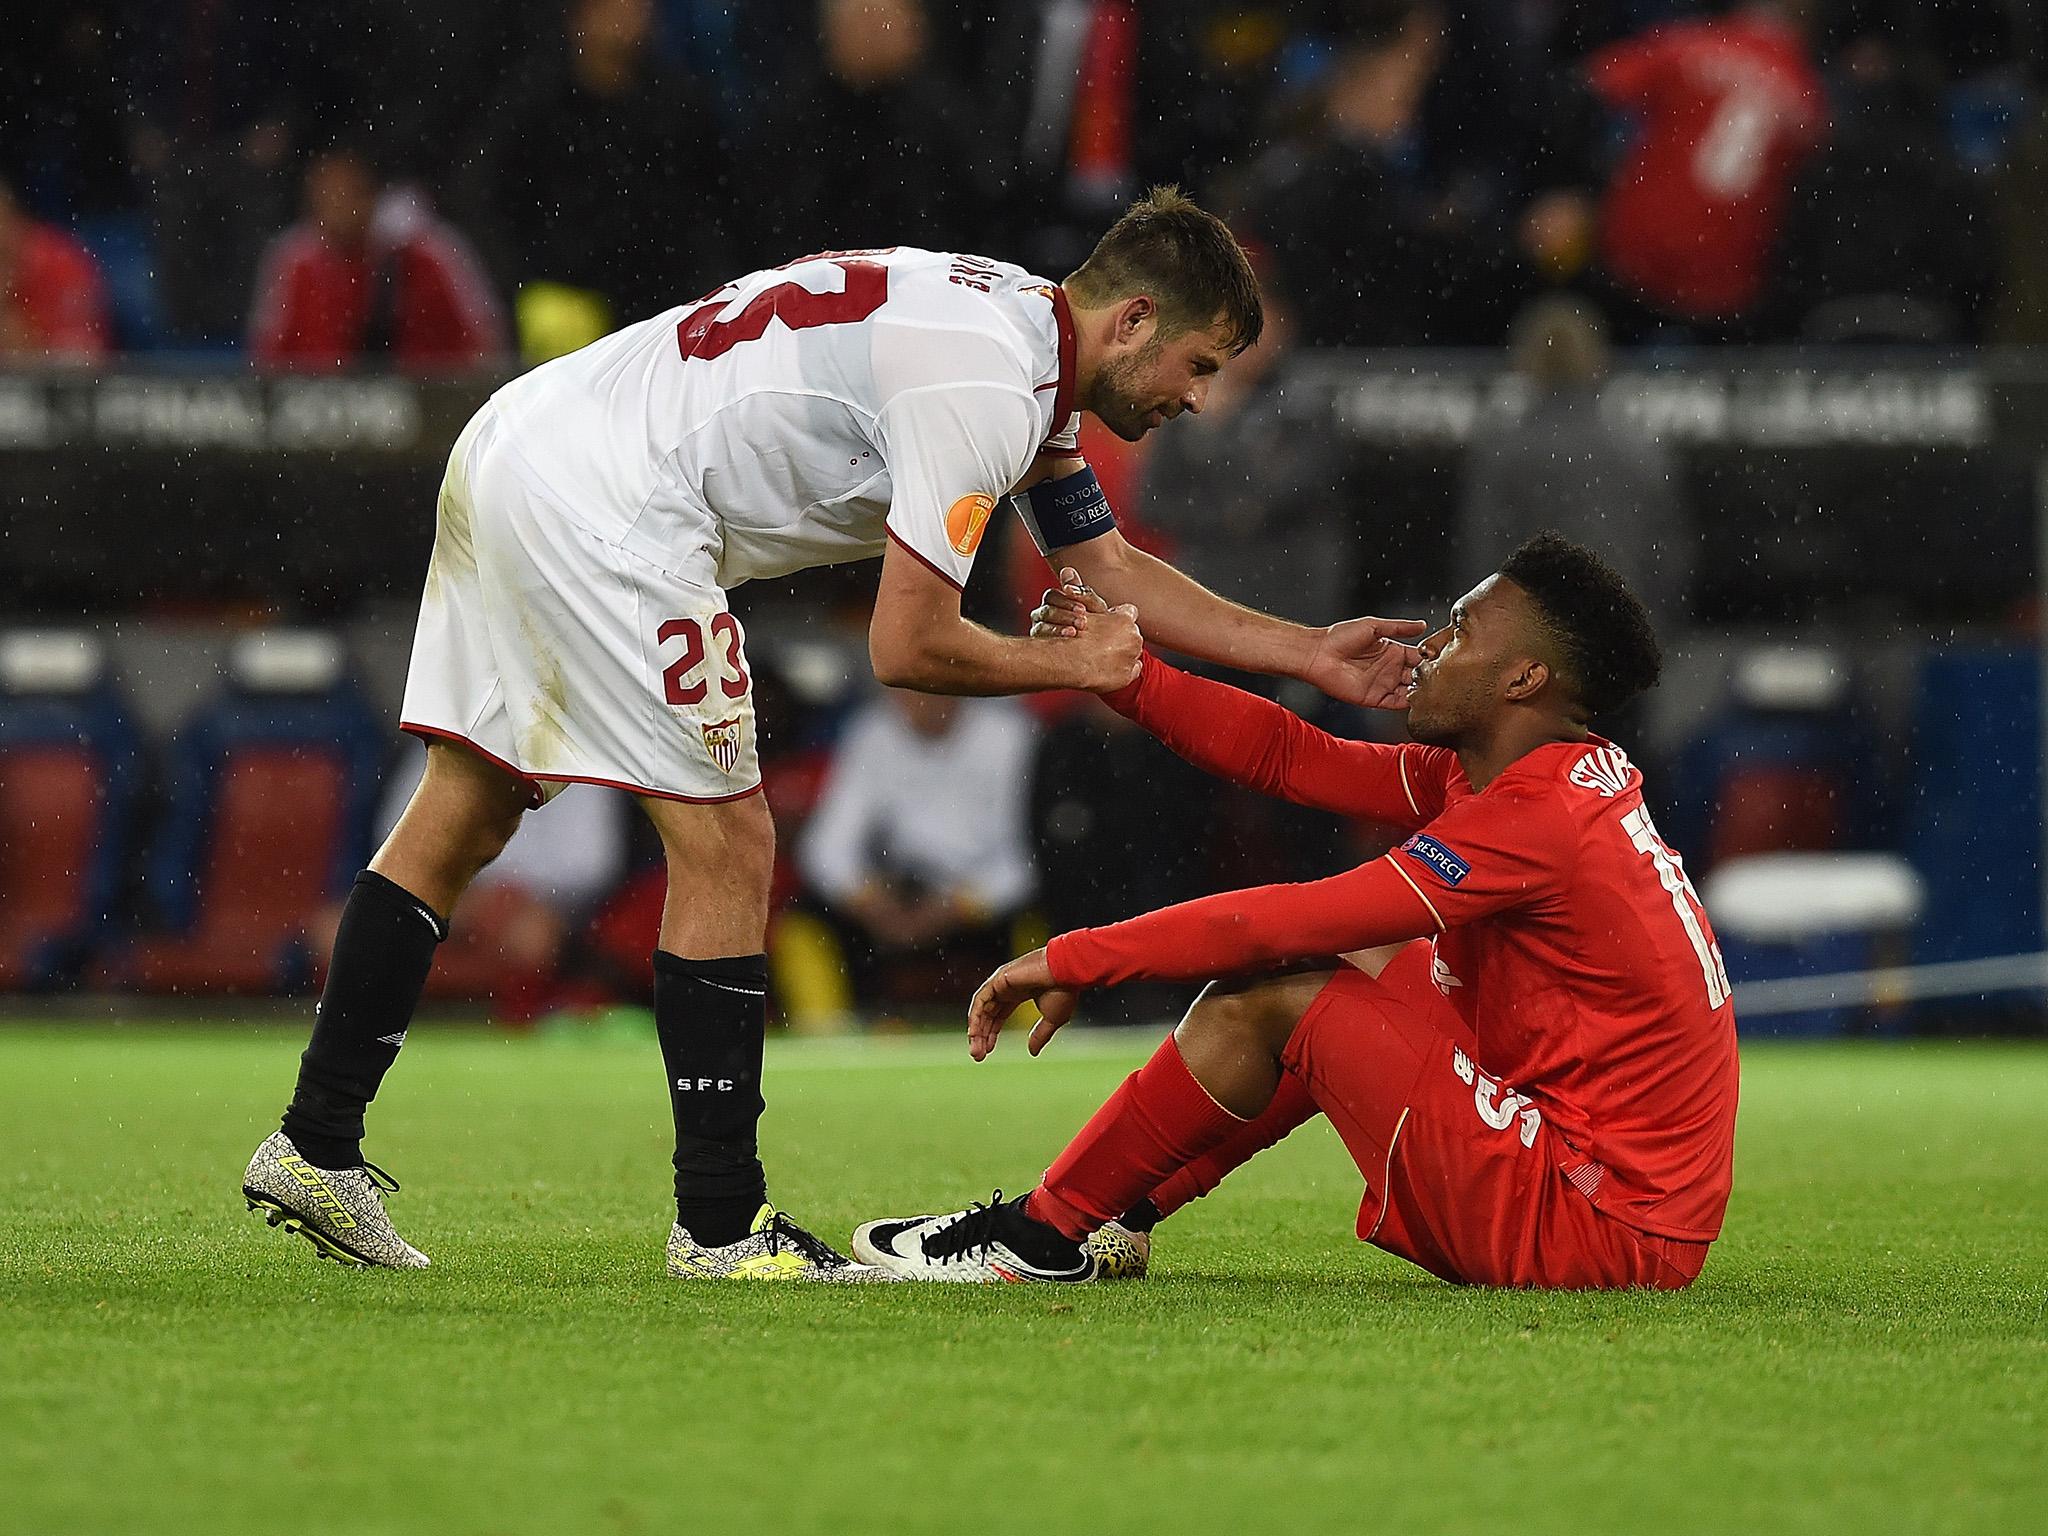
(1220, 1019)
(734, 841)
(486, 836)
(1258, 1019)
(748, 833)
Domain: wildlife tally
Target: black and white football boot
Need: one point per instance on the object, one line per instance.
(992, 1244)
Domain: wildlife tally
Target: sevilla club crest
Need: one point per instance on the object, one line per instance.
(722, 741)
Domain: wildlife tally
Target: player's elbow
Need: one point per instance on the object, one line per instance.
(898, 660)
(896, 675)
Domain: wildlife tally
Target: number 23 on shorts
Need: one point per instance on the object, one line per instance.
(676, 678)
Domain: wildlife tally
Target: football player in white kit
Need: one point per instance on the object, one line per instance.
(575, 629)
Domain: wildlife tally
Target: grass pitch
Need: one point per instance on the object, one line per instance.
(1866, 1350)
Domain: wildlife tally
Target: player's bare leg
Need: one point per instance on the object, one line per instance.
(1289, 1107)
(710, 1012)
(310, 1176)
(1216, 1081)
(459, 819)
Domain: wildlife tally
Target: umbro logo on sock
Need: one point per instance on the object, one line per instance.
(394, 1041)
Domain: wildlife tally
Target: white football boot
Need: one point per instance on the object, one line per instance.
(992, 1244)
(340, 1211)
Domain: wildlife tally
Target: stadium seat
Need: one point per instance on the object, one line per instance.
(1974, 825)
(1775, 790)
(1785, 767)
(69, 769)
(272, 788)
(1780, 916)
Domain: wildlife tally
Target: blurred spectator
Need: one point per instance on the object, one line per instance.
(869, 149)
(1085, 102)
(53, 307)
(599, 184)
(1886, 237)
(1568, 465)
(405, 82)
(63, 131)
(371, 275)
(217, 94)
(1245, 490)
(1384, 236)
(1726, 110)
(918, 846)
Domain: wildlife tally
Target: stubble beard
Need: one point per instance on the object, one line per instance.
(1435, 727)
(1115, 402)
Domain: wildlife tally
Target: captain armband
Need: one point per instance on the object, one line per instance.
(1069, 510)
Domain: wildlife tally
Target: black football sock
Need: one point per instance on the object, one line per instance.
(382, 953)
(712, 1017)
(1142, 1217)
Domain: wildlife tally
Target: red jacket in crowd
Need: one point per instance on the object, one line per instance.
(412, 294)
(1728, 109)
(52, 302)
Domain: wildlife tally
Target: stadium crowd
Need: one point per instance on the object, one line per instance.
(381, 186)
(438, 187)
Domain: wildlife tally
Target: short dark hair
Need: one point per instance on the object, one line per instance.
(1185, 258)
(1610, 649)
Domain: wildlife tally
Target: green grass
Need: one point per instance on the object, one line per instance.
(1866, 1350)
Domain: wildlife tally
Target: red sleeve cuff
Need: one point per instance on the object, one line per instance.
(1055, 950)
(1125, 700)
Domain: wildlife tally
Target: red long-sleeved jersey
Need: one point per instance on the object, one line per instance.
(1729, 108)
(1567, 934)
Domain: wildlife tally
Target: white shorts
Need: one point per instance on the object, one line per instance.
(565, 660)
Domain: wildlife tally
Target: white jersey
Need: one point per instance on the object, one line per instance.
(806, 415)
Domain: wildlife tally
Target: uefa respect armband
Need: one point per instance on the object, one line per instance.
(1069, 510)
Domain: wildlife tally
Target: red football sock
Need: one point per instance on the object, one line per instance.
(1291, 1106)
(1158, 1121)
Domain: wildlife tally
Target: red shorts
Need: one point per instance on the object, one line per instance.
(1461, 1177)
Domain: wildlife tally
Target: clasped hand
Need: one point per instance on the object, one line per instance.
(1364, 661)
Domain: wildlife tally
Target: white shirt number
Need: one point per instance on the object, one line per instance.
(1685, 900)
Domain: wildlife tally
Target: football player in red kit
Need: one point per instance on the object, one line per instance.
(1518, 1020)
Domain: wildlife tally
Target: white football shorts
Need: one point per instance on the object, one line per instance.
(565, 660)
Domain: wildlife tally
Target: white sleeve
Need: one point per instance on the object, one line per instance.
(833, 852)
(1006, 878)
(957, 431)
(1067, 439)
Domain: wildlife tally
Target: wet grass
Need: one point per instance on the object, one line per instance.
(1867, 1348)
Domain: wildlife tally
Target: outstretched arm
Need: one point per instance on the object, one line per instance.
(1514, 846)
(1361, 661)
(1236, 932)
(1256, 743)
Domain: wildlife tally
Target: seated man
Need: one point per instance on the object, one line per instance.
(918, 850)
(1542, 1094)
